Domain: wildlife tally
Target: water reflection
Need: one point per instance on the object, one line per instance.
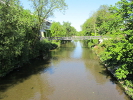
(71, 73)
(79, 71)
(77, 53)
(26, 83)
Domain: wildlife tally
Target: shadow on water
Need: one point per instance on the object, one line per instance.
(21, 74)
(112, 79)
(107, 73)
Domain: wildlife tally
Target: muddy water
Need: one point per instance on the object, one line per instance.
(72, 72)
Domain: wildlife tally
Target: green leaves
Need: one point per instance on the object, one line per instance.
(118, 51)
(59, 30)
(122, 72)
(99, 23)
(19, 40)
(45, 9)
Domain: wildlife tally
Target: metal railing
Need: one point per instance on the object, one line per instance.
(73, 38)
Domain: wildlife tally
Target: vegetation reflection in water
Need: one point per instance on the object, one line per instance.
(72, 72)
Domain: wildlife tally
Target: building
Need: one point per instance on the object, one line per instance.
(45, 26)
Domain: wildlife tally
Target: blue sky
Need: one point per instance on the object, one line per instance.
(78, 10)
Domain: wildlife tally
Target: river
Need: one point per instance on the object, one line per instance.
(72, 72)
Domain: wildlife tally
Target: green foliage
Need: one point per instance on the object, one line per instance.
(80, 33)
(19, 39)
(65, 30)
(89, 26)
(118, 54)
(117, 23)
(45, 8)
(57, 30)
(70, 30)
(92, 42)
(129, 87)
(45, 45)
(99, 23)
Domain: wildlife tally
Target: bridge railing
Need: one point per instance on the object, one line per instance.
(73, 38)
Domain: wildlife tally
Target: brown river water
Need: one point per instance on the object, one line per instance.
(72, 72)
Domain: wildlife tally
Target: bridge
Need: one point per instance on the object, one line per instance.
(74, 38)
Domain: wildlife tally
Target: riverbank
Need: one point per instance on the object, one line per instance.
(43, 48)
(41, 51)
(112, 69)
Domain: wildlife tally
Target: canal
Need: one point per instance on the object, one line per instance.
(72, 72)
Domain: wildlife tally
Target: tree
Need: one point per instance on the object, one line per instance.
(13, 29)
(73, 31)
(57, 30)
(103, 20)
(118, 54)
(89, 26)
(67, 26)
(70, 30)
(99, 22)
(45, 8)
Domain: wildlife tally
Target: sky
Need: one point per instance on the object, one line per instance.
(78, 11)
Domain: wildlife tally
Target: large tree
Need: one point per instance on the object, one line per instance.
(89, 26)
(70, 30)
(99, 22)
(45, 8)
(104, 17)
(57, 30)
(17, 35)
(118, 54)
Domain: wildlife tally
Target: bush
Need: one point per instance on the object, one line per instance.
(92, 42)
